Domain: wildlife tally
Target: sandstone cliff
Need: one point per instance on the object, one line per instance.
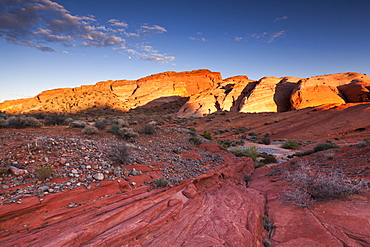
(122, 94)
(207, 91)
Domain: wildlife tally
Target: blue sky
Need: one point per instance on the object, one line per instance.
(48, 44)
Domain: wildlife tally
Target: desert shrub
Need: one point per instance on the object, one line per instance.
(55, 119)
(301, 154)
(251, 152)
(195, 140)
(77, 124)
(3, 123)
(148, 129)
(23, 122)
(161, 182)
(265, 141)
(45, 171)
(324, 146)
(253, 133)
(127, 133)
(268, 159)
(208, 135)
(120, 154)
(260, 164)
(114, 129)
(38, 115)
(90, 130)
(290, 144)
(309, 186)
(101, 124)
(192, 129)
(121, 122)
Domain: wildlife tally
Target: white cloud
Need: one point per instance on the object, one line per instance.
(66, 52)
(281, 18)
(276, 35)
(238, 38)
(42, 23)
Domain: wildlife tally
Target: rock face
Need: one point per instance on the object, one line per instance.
(214, 209)
(324, 89)
(271, 94)
(207, 91)
(121, 95)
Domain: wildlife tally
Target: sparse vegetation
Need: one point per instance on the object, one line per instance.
(161, 182)
(22, 122)
(45, 171)
(251, 152)
(195, 140)
(55, 119)
(90, 130)
(121, 154)
(208, 135)
(148, 129)
(127, 133)
(77, 124)
(268, 159)
(324, 146)
(309, 186)
(101, 124)
(290, 144)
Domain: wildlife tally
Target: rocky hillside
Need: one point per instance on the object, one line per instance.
(208, 93)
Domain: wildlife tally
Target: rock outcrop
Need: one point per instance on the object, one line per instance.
(273, 94)
(207, 91)
(122, 94)
(319, 90)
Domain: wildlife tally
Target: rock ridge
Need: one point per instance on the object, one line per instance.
(207, 93)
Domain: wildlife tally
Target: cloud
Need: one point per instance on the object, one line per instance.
(261, 37)
(42, 24)
(117, 23)
(276, 35)
(198, 37)
(281, 18)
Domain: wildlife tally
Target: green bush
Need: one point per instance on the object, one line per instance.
(192, 129)
(207, 135)
(269, 159)
(324, 146)
(290, 144)
(251, 152)
(45, 171)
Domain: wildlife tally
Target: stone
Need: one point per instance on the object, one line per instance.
(17, 172)
(98, 176)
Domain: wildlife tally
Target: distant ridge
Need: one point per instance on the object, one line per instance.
(207, 91)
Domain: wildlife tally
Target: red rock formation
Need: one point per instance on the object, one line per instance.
(319, 90)
(207, 91)
(271, 94)
(213, 209)
(122, 94)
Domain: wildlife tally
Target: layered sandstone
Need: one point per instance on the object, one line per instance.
(121, 94)
(271, 94)
(207, 91)
(319, 90)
